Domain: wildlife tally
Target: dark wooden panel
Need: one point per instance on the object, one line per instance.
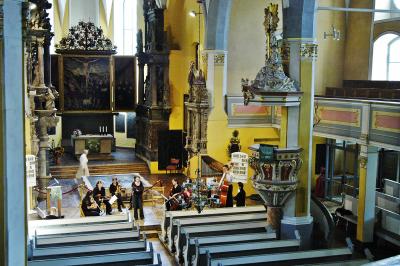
(124, 82)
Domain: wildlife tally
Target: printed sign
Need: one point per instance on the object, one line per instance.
(30, 164)
(240, 167)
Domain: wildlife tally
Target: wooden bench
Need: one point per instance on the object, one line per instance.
(242, 249)
(88, 249)
(190, 249)
(220, 219)
(169, 216)
(126, 258)
(282, 259)
(216, 230)
(351, 204)
(89, 228)
(84, 238)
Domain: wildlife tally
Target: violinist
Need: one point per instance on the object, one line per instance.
(226, 180)
(115, 190)
(99, 194)
(89, 205)
(137, 197)
(173, 203)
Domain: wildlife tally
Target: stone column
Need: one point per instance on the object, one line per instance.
(13, 222)
(301, 50)
(368, 169)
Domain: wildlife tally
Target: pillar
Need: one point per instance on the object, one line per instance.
(300, 50)
(368, 170)
(12, 181)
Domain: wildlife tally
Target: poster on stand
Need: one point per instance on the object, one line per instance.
(240, 167)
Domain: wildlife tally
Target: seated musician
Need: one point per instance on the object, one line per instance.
(99, 195)
(89, 205)
(115, 190)
(173, 202)
(240, 197)
(227, 180)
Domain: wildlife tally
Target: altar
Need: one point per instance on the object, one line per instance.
(96, 144)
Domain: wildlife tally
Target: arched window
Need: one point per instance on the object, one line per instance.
(386, 58)
(125, 26)
(386, 4)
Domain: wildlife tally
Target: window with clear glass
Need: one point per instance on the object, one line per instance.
(51, 17)
(386, 58)
(125, 26)
(389, 5)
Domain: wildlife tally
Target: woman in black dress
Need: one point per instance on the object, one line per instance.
(89, 205)
(99, 194)
(115, 190)
(137, 197)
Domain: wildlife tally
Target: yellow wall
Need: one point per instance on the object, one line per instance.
(358, 42)
(329, 64)
(246, 46)
(389, 26)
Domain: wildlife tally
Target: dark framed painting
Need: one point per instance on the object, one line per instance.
(124, 83)
(120, 123)
(131, 126)
(86, 83)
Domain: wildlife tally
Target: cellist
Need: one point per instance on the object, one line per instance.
(173, 202)
(226, 181)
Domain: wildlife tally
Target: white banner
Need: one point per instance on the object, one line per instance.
(30, 165)
(240, 167)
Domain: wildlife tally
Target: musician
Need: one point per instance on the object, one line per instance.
(115, 190)
(175, 191)
(99, 195)
(240, 197)
(137, 197)
(89, 205)
(227, 179)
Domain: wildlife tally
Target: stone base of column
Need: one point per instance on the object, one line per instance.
(274, 216)
(304, 225)
(42, 183)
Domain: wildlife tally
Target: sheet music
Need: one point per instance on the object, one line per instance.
(113, 199)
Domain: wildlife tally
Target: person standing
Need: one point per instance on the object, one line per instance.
(240, 196)
(99, 194)
(227, 180)
(83, 165)
(137, 198)
(115, 190)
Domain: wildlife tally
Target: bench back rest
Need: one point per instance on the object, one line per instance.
(392, 188)
(351, 204)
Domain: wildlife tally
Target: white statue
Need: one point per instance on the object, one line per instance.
(83, 165)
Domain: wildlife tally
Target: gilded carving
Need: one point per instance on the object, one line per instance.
(219, 59)
(363, 162)
(309, 50)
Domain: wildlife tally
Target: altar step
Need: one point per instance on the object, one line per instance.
(104, 169)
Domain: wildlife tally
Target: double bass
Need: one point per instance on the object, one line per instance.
(223, 196)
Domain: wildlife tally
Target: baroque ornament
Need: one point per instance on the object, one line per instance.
(309, 50)
(86, 38)
(271, 77)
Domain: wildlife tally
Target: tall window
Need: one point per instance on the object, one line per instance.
(51, 17)
(125, 26)
(386, 4)
(386, 58)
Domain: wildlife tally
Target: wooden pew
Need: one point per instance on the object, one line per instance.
(90, 228)
(190, 249)
(282, 259)
(243, 249)
(84, 238)
(169, 216)
(357, 262)
(126, 258)
(216, 230)
(88, 249)
(177, 224)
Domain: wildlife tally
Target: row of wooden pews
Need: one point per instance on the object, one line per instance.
(108, 240)
(237, 236)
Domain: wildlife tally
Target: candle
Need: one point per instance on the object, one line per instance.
(99, 128)
(106, 129)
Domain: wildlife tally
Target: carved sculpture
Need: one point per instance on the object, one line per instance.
(271, 78)
(197, 112)
(153, 108)
(234, 143)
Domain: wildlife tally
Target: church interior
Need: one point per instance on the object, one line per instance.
(200, 132)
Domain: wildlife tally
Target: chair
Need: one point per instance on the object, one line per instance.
(173, 166)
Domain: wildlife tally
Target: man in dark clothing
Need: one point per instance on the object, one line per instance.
(241, 196)
(115, 190)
